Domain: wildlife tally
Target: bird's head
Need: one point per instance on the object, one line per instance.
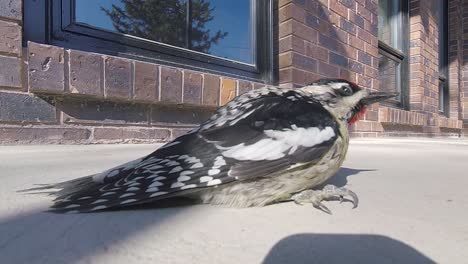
(344, 99)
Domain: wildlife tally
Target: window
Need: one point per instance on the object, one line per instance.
(393, 49)
(443, 57)
(224, 37)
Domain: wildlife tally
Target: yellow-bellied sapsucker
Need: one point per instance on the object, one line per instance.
(267, 145)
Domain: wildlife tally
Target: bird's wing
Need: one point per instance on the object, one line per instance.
(257, 138)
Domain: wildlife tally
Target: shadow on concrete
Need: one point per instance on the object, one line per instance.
(340, 179)
(343, 248)
(43, 237)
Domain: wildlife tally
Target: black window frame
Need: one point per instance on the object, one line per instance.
(443, 59)
(51, 22)
(401, 56)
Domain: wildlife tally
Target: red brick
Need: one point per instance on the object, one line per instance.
(171, 85)
(317, 23)
(285, 28)
(291, 11)
(117, 78)
(76, 110)
(363, 126)
(10, 74)
(11, 9)
(290, 43)
(177, 132)
(244, 86)
(285, 59)
(316, 52)
(298, 77)
(179, 114)
(331, 43)
(304, 32)
(338, 59)
(285, 75)
(372, 50)
(356, 67)
(348, 75)
(371, 72)
(85, 73)
(20, 107)
(192, 87)
(372, 115)
(282, 3)
(146, 81)
(351, 52)
(211, 88)
(364, 35)
(356, 42)
(41, 135)
(364, 58)
(10, 40)
(228, 90)
(339, 8)
(347, 26)
(363, 12)
(46, 68)
(131, 134)
(304, 62)
(328, 70)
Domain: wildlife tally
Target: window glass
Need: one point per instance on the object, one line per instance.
(389, 23)
(218, 27)
(441, 96)
(443, 55)
(389, 75)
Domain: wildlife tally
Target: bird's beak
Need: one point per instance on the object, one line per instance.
(375, 97)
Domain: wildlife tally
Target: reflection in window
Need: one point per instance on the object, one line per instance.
(393, 55)
(389, 75)
(443, 56)
(389, 23)
(218, 27)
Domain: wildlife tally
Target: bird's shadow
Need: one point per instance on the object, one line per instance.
(75, 238)
(340, 179)
(343, 248)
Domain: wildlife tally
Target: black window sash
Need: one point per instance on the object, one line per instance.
(443, 59)
(52, 22)
(401, 54)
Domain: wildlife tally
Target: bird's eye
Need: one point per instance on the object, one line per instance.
(346, 90)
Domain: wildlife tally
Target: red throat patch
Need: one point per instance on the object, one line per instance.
(357, 116)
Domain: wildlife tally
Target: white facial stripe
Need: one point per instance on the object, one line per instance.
(338, 85)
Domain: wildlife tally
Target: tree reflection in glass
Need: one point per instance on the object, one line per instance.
(221, 28)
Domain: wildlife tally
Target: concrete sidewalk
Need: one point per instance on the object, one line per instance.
(413, 209)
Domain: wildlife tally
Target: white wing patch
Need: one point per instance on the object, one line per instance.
(278, 143)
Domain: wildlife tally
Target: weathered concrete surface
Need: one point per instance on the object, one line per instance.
(414, 209)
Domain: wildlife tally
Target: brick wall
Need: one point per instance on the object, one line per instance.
(77, 96)
(53, 95)
(339, 38)
(455, 56)
(333, 39)
(464, 67)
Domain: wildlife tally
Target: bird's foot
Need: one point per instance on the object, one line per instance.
(315, 197)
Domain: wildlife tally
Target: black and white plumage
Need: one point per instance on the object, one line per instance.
(260, 148)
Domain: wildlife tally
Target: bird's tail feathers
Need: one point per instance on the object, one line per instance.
(62, 189)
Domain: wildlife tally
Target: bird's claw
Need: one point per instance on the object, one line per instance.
(315, 197)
